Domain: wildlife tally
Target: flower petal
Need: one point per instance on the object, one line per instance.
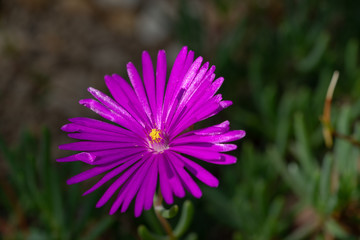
(117, 184)
(216, 129)
(137, 181)
(130, 189)
(218, 138)
(126, 97)
(201, 173)
(205, 155)
(180, 89)
(145, 196)
(91, 173)
(165, 186)
(149, 79)
(160, 86)
(139, 89)
(151, 185)
(94, 146)
(189, 183)
(80, 122)
(105, 137)
(175, 181)
(116, 171)
(84, 157)
(175, 77)
(111, 155)
(127, 120)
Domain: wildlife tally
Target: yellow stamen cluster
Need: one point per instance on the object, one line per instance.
(155, 135)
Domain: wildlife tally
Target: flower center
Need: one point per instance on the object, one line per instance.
(157, 141)
(155, 135)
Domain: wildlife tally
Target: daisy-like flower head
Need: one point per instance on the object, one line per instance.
(147, 143)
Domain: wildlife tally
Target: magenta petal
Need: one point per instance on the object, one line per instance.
(149, 79)
(164, 181)
(99, 109)
(180, 88)
(175, 181)
(136, 187)
(111, 155)
(72, 127)
(216, 129)
(191, 87)
(140, 198)
(226, 159)
(201, 173)
(189, 183)
(109, 103)
(145, 196)
(116, 185)
(91, 173)
(191, 104)
(160, 86)
(225, 104)
(188, 61)
(89, 123)
(208, 146)
(198, 152)
(205, 155)
(137, 181)
(129, 162)
(174, 79)
(131, 188)
(94, 146)
(122, 116)
(84, 157)
(139, 88)
(105, 138)
(120, 198)
(151, 184)
(125, 96)
(216, 138)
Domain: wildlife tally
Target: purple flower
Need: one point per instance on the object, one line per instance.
(148, 141)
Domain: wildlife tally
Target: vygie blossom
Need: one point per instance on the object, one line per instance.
(146, 143)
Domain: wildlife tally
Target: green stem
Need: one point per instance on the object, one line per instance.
(158, 207)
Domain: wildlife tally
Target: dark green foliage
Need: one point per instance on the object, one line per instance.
(277, 58)
(35, 201)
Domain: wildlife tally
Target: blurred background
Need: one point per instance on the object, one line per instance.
(277, 58)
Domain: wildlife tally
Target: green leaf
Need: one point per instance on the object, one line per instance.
(342, 147)
(87, 208)
(229, 45)
(325, 183)
(223, 208)
(283, 126)
(43, 161)
(302, 232)
(153, 221)
(313, 58)
(187, 214)
(271, 222)
(145, 234)
(289, 173)
(335, 229)
(351, 53)
(300, 183)
(170, 213)
(303, 147)
(191, 236)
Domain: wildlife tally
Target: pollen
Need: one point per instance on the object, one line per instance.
(155, 135)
